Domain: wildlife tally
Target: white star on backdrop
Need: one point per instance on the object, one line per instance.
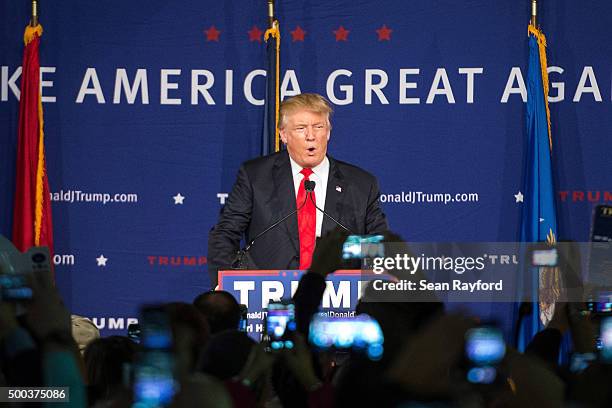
(178, 198)
(101, 260)
(518, 197)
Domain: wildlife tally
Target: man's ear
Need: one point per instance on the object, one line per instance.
(283, 136)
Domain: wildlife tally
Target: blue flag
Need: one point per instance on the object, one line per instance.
(539, 218)
(270, 142)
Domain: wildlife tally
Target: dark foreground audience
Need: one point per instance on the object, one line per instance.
(220, 310)
(207, 362)
(105, 362)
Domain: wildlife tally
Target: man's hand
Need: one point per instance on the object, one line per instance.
(46, 313)
(8, 320)
(581, 328)
(327, 257)
(299, 361)
(425, 364)
(258, 363)
(559, 319)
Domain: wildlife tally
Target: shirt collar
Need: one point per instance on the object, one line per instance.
(318, 170)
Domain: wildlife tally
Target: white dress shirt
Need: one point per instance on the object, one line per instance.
(319, 176)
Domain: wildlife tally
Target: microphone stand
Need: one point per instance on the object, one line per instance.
(239, 262)
(312, 186)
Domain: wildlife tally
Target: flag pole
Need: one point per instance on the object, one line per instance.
(34, 21)
(274, 31)
(534, 12)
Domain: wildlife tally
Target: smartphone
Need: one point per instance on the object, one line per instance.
(156, 333)
(280, 324)
(484, 350)
(133, 332)
(358, 250)
(14, 288)
(605, 335)
(600, 257)
(601, 303)
(601, 228)
(13, 262)
(244, 319)
(360, 333)
(15, 267)
(544, 257)
(154, 383)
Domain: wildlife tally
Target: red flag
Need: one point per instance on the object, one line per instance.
(32, 211)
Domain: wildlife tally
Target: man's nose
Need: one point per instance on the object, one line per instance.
(309, 133)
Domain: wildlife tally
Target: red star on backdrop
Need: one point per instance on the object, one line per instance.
(384, 33)
(298, 34)
(341, 34)
(212, 34)
(255, 34)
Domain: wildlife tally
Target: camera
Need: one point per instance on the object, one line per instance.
(15, 266)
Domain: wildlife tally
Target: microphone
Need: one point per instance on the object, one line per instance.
(239, 261)
(311, 184)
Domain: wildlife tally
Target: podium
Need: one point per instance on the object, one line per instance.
(256, 288)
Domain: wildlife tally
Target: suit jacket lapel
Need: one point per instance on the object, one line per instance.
(334, 198)
(285, 196)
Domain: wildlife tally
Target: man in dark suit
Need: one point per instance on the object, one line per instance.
(270, 187)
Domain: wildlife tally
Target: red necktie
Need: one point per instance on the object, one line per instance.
(307, 222)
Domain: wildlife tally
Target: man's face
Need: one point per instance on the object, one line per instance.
(306, 134)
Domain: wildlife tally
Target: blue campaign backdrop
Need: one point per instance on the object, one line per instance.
(151, 106)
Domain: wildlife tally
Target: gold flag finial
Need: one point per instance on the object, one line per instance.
(271, 13)
(534, 12)
(34, 21)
